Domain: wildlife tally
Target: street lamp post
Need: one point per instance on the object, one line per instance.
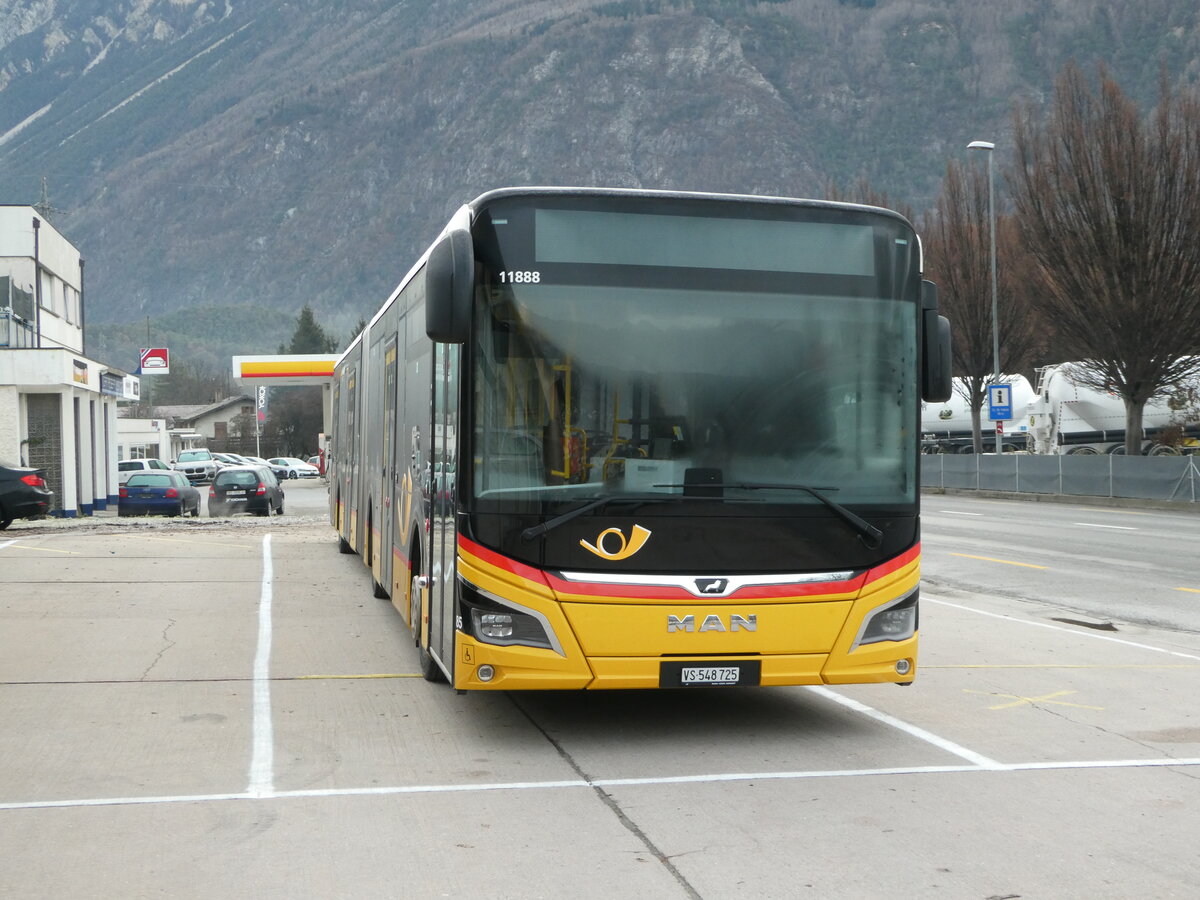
(990, 148)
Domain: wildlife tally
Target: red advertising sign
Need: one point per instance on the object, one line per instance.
(154, 361)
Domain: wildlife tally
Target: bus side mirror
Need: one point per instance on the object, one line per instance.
(936, 359)
(449, 275)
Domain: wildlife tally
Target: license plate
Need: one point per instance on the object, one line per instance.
(235, 494)
(710, 675)
(703, 673)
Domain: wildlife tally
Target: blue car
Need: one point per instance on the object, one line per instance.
(158, 493)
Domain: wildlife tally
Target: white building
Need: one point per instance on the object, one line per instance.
(58, 409)
(145, 439)
(217, 424)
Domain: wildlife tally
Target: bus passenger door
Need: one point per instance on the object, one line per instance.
(443, 485)
(388, 504)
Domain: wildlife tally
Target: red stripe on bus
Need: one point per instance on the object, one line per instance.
(781, 591)
(908, 556)
(492, 558)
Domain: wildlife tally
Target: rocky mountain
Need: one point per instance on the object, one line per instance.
(221, 163)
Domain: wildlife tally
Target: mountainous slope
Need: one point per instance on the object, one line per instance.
(215, 153)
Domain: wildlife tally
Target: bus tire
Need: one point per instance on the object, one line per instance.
(430, 670)
(377, 590)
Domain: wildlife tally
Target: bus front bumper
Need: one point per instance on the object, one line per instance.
(483, 666)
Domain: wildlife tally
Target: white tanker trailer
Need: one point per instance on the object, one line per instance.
(1067, 417)
(946, 427)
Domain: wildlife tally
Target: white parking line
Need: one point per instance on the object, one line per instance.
(262, 762)
(1073, 631)
(575, 783)
(1110, 527)
(920, 733)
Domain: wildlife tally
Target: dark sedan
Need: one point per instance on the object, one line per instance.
(23, 494)
(158, 493)
(245, 489)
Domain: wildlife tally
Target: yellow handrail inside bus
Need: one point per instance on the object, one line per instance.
(565, 474)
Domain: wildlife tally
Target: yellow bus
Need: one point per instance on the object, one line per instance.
(637, 439)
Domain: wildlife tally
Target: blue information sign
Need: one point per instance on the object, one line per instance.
(999, 402)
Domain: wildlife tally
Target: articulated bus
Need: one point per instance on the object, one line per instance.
(638, 439)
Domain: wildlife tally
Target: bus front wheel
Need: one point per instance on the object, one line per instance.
(430, 670)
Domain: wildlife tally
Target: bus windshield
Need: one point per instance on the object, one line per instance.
(658, 359)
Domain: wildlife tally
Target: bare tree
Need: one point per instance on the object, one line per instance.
(958, 243)
(1108, 206)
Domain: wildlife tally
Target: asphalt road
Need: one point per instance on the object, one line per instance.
(219, 708)
(1105, 562)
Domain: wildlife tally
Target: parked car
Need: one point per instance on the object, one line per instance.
(23, 494)
(280, 472)
(230, 459)
(296, 468)
(245, 489)
(158, 493)
(197, 465)
(127, 467)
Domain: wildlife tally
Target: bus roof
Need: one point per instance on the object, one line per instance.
(539, 191)
(473, 208)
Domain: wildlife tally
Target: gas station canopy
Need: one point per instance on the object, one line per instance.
(297, 369)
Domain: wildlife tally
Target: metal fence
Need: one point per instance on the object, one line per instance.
(1174, 478)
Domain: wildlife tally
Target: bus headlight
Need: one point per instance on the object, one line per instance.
(494, 625)
(494, 621)
(894, 621)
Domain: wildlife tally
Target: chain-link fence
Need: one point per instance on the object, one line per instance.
(1174, 478)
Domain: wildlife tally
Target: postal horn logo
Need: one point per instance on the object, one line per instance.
(625, 547)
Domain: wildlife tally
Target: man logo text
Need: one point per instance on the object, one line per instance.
(712, 623)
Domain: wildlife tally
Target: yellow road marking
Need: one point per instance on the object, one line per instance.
(44, 549)
(1023, 701)
(1007, 562)
(193, 541)
(1189, 590)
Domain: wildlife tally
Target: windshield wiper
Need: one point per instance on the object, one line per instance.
(550, 524)
(871, 536)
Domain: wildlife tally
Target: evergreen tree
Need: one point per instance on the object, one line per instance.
(309, 336)
(295, 412)
(356, 331)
